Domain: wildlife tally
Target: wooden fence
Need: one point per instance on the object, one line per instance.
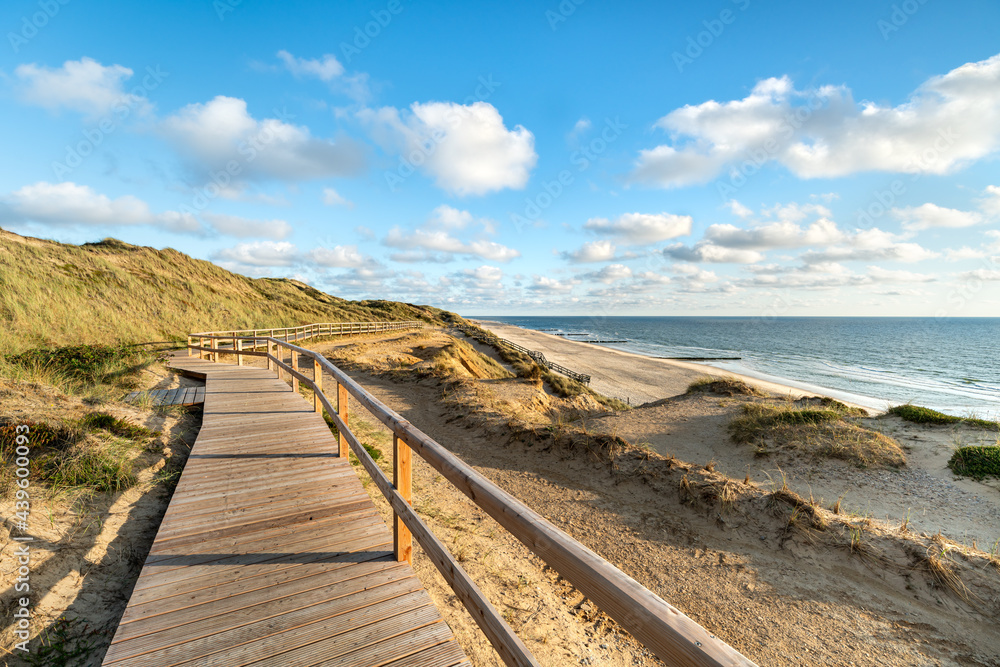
(490, 338)
(666, 631)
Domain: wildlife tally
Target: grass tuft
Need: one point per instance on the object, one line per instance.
(115, 426)
(919, 415)
(727, 386)
(823, 432)
(977, 462)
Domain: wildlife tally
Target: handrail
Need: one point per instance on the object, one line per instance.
(666, 631)
(538, 357)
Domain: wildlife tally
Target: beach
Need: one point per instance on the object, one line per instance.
(695, 429)
(633, 378)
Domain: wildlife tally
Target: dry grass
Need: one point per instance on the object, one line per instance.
(726, 386)
(112, 292)
(459, 359)
(826, 432)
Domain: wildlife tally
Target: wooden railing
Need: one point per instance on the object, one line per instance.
(237, 338)
(489, 337)
(666, 631)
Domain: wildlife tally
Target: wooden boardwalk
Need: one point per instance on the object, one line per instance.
(271, 552)
(178, 396)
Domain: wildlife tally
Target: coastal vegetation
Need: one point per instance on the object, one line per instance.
(919, 415)
(977, 462)
(111, 292)
(725, 386)
(525, 367)
(831, 431)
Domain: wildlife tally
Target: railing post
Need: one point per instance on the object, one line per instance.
(402, 479)
(267, 343)
(277, 368)
(238, 344)
(342, 412)
(295, 367)
(318, 380)
(190, 351)
(215, 350)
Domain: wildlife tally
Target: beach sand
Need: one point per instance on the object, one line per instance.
(694, 428)
(633, 378)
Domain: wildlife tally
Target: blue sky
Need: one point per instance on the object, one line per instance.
(719, 158)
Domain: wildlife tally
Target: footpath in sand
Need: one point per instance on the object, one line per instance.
(694, 428)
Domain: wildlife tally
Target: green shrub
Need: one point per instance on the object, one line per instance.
(977, 462)
(115, 426)
(39, 434)
(98, 469)
(87, 364)
(919, 415)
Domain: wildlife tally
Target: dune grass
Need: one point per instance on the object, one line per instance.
(526, 367)
(978, 462)
(94, 453)
(919, 415)
(727, 386)
(828, 432)
(106, 293)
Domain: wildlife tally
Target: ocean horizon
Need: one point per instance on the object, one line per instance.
(947, 364)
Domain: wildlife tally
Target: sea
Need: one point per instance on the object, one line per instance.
(951, 365)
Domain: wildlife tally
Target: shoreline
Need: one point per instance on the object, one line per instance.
(588, 353)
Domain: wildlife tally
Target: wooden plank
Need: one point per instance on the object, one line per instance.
(218, 615)
(270, 545)
(402, 479)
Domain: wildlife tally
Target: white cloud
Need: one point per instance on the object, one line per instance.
(484, 277)
(947, 122)
(595, 251)
(610, 274)
(795, 212)
(705, 251)
(81, 85)
(338, 256)
(466, 149)
(64, 204)
(326, 69)
(990, 203)
(333, 198)
(551, 285)
(983, 274)
(651, 278)
(932, 215)
(447, 217)
(823, 232)
(896, 252)
(222, 131)
(691, 273)
(233, 225)
(441, 241)
(738, 209)
(260, 253)
(965, 252)
(641, 228)
(881, 275)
